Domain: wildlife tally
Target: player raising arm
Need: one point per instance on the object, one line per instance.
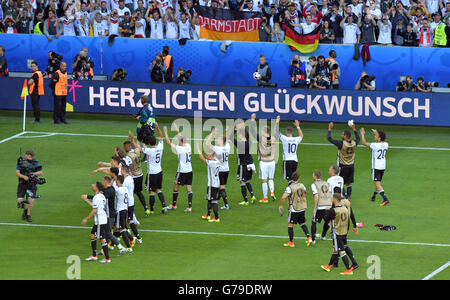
(346, 156)
(379, 149)
(184, 174)
(222, 150)
(290, 147)
(296, 192)
(213, 183)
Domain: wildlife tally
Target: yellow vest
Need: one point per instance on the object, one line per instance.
(37, 30)
(440, 38)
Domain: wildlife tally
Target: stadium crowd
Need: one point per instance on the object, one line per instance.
(386, 22)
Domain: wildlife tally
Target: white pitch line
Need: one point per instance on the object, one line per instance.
(222, 234)
(36, 136)
(199, 139)
(12, 137)
(440, 269)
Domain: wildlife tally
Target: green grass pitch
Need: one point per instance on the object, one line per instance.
(248, 243)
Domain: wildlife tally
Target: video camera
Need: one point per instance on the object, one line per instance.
(27, 168)
(121, 73)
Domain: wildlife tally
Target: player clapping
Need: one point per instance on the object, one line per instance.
(290, 148)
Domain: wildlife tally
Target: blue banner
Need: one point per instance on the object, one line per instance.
(240, 102)
(236, 66)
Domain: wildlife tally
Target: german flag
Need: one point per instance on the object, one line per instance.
(226, 24)
(305, 43)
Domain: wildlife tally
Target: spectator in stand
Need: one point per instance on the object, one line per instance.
(397, 13)
(445, 11)
(170, 20)
(68, 23)
(168, 61)
(400, 28)
(409, 36)
(195, 27)
(184, 27)
(99, 28)
(292, 15)
(3, 63)
(25, 21)
(140, 7)
(277, 34)
(352, 34)
(417, 15)
(264, 30)
(52, 26)
(367, 28)
(314, 12)
(10, 8)
(9, 25)
(432, 6)
(125, 25)
(163, 5)
(385, 27)
(122, 8)
(357, 8)
(335, 20)
(113, 23)
(156, 26)
(425, 34)
(308, 26)
(374, 10)
(138, 23)
(437, 19)
(327, 35)
(38, 23)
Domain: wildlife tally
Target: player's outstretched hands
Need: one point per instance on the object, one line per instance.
(355, 230)
(100, 164)
(84, 197)
(175, 127)
(330, 126)
(278, 119)
(253, 117)
(362, 131)
(280, 210)
(84, 221)
(296, 123)
(130, 135)
(213, 131)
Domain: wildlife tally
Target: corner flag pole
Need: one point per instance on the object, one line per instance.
(23, 96)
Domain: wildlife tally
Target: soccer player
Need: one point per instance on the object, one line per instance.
(222, 151)
(246, 166)
(266, 154)
(154, 171)
(339, 215)
(335, 182)
(290, 147)
(110, 195)
(101, 222)
(134, 154)
(184, 174)
(213, 184)
(296, 192)
(346, 156)
(322, 202)
(379, 149)
(122, 198)
(129, 184)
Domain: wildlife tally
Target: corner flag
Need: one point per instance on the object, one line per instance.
(24, 90)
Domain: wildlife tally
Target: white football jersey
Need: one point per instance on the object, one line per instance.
(156, 29)
(379, 155)
(121, 198)
(213, 173)
(290, 146)
(129, 184)
(171, 30)
(336, 181)
(154, 156)
(184, 158)
(184, 29)
(222, 154)
(99, 202)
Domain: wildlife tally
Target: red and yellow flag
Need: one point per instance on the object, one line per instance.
(226, 24)
(305, 43)
(24, 90)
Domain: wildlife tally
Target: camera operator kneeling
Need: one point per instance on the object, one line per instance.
(28, 169)
(365, 82)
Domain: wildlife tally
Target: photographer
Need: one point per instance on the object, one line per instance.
(157, 69)
(181, 76)
(365, 82)
(422, 86)
(119, 75)
(406, 85)
(187, 75)
(335, 74)
(82, 63)
(54, 61)
(298, 75)
(27, 171)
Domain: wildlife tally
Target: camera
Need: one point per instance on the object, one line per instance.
(56, 56)
(28, 169)
(431, 84)
(367, 79)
